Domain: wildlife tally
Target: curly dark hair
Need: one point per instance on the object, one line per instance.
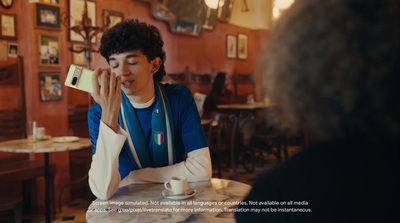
(134, 35)
(217, 88)
(218, 85)
(333, 67)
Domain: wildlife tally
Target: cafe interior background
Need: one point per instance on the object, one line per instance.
(200, 39)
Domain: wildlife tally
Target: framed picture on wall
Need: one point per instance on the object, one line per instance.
(6, 3)
(231, 46)
(12, 50)
(115, 17)
(50, 86)
(8, 29)
(75, 13)
(49, 48)
(242, 46)
(47, 16)
(45, 1)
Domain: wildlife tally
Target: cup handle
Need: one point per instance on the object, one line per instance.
(166, 185)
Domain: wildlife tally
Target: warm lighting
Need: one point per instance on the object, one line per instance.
(279, 6)
(214, 3)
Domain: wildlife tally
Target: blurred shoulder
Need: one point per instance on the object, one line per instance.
(176, 89)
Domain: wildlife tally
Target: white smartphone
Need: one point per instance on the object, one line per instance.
(79, 78)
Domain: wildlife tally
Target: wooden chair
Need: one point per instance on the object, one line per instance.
(23, 172)
(12, 120)
(80, 160)
(14, 207)
(16, 168)
(77, 120)
(270, 142)
(221, 140)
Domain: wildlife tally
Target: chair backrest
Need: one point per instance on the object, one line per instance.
(12, 120)
(225, 130)
(78, 121)
(12, 125)
(207, 129)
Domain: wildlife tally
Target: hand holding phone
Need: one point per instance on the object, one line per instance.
(79, 78)
(105, 89)
(108, 95)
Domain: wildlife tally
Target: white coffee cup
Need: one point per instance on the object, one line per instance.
(40, 132)
(177, 184)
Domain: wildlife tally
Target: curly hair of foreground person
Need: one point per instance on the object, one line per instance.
(134, 35)
(334, 68)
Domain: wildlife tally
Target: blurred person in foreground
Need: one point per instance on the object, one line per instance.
(333, 67)
(141, 130)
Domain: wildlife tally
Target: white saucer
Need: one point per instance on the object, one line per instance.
(44, 138)
(66, 139)
(170, 195)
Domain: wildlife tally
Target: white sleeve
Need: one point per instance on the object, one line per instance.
(104, 177)
(197, 167)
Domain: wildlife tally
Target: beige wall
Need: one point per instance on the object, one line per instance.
(258, 16)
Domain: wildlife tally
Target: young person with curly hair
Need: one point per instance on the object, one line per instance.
(141, 129)
(333, 67)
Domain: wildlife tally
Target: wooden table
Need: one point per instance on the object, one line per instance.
(209, 121)
(237, 109)
(214, 201)
(46, 147)
(206, 121)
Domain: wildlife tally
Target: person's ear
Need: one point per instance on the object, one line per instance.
(155, 64)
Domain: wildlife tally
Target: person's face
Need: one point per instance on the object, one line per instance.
(136, 72)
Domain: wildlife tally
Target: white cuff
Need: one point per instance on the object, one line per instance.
(104, 177)
(197, 167)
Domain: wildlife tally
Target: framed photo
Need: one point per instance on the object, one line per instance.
(12, 50)
(47, 16)
(45, 1)
(231, 46)
(79, 58)
(6, 3)
(50, 86)
(115, 17)
(8, 29)
(242, 46)
(49, 47)
(75, 13)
